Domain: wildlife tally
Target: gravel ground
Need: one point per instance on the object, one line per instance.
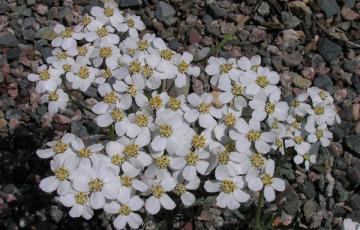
(310, 42)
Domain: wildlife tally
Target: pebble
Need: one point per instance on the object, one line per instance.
(353, 143)
(293, 59)
(264, 9)
(257, 35)
(351, 66)
(308, 73)
(301, 82)
(194, 36)
(130, 3)
(290, 20)
(164, 11)
(349, 14)
(46, 33)
(8, 40)
(329, 7)
(56, 214)
(41, 9)
(329, 50)
(61, 119)
(218, 9)
(310, 208)
(290, 38)
(292, 203)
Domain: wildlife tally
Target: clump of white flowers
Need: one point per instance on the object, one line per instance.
(168, 146)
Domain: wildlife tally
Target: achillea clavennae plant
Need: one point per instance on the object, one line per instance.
(162, 148)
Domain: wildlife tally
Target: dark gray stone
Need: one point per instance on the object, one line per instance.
(28, 34)
(264, 9)
(217, 11)
(13, 54)
(308, 189)
(8, 40)
(329, 50)
(310, 207)
(329, 7)
(324, 82)
(349, 3)
(340, 194)
(292, 203)
(355, 202)
(353, 143)
(3, 7)
(292, 59)
(129, 3)
(290, 20)
(351, 66)
(164, 11)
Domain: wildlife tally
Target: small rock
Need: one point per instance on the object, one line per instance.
(8, 40)
(351, 66)
(3, 7)
(355, 201)
(129, 3)
(257, 35)
(340, 95)
(56, 214)
(349, 14)
(308, 73)
(264, 9)
(293, 59)
(30, 2)
(324, 82)
(336, 148)
(194, 36)
(353, 143)
(301, 82)
(164, 11)
(292, 203)
(41, 9)
(46, 33)
(329, 7)
(290, 38)
(218, 9)
(28, 34)
(355, 111)
(61, 119)
(316, 220)
(290, 20)
(329, 50)
(310, 207)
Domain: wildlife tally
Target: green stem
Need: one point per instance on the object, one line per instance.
(112, 132)
(258, 210)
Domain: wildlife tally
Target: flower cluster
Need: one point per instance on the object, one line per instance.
(168, 146)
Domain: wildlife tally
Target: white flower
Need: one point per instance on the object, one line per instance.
(134, 153)
(81, 77)
(222, 71)
(67, 37)
(160, 168)
(63, 173)
(267, 182)
(100, 181)
(181, 189)
(318, 133)
(85, 21)
(306, 158)
(202, 110)
(191, 163)
(184, 68)
(273, 109)
(177, 104)
(249, 64)
(88, 154)
(132, 24)
(231, 193)
(99, 33)
(158, 101)
(234, 93)
(319, 96)
(298, 142)
(159, 198)
(84, 53)
(228, 121)
(135, 46)
(169, 131)
(133, 88)
(109, 14)
(60, 148)
(128, 185)
(108, 52)
(247, 133)
(47, 79)
(349, 224)
(163, 58)
(262, 79)
(125, 212)
(227, 163)
(298, 106)
(250, 163)
(56, 100)
(79, 203)
(324, 114)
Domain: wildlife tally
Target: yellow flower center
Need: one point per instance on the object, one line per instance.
(134, 67)
(262, 81)
(158, 191)
(117, 115)
(166, 54)
(109, 12)
(295, 103)
(174, 103)
(147, 71)
(81, 198)
(203, 108)
(132, 90)
(279, 143)
(126, 181)
(162, 162)
(237, 89)
(111, 97)
(198, 141)
(275, 125)
(53, 96)
(165, 130)
(306, 157)
(142, 120)
(257, 160)
(86, 20)
(223, 157)
(228, 186)
(155, 102)
(225, 68)
(296, 125)
(267, 179)
(319, 110)
(60, 147)
(62, 174)
(67, 33)
(131, 52)
(255, 68)
(269, 108)
(67, 68)
(229, 119)
(117, 159)
(44, 75)
(124, 210)
(83, 72)
(230, 146)
(192, 158)
(62, 55)
(82, 50)
(322, 94)
(180, 189)
(106, 73)
(131, 150)
(102, 32)
(105, 52)
(143, 45)
(253, 135)
(85, 153)
(183, 66)
(319, 133)
(298, 139)
(131, 23)
(96, 185)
